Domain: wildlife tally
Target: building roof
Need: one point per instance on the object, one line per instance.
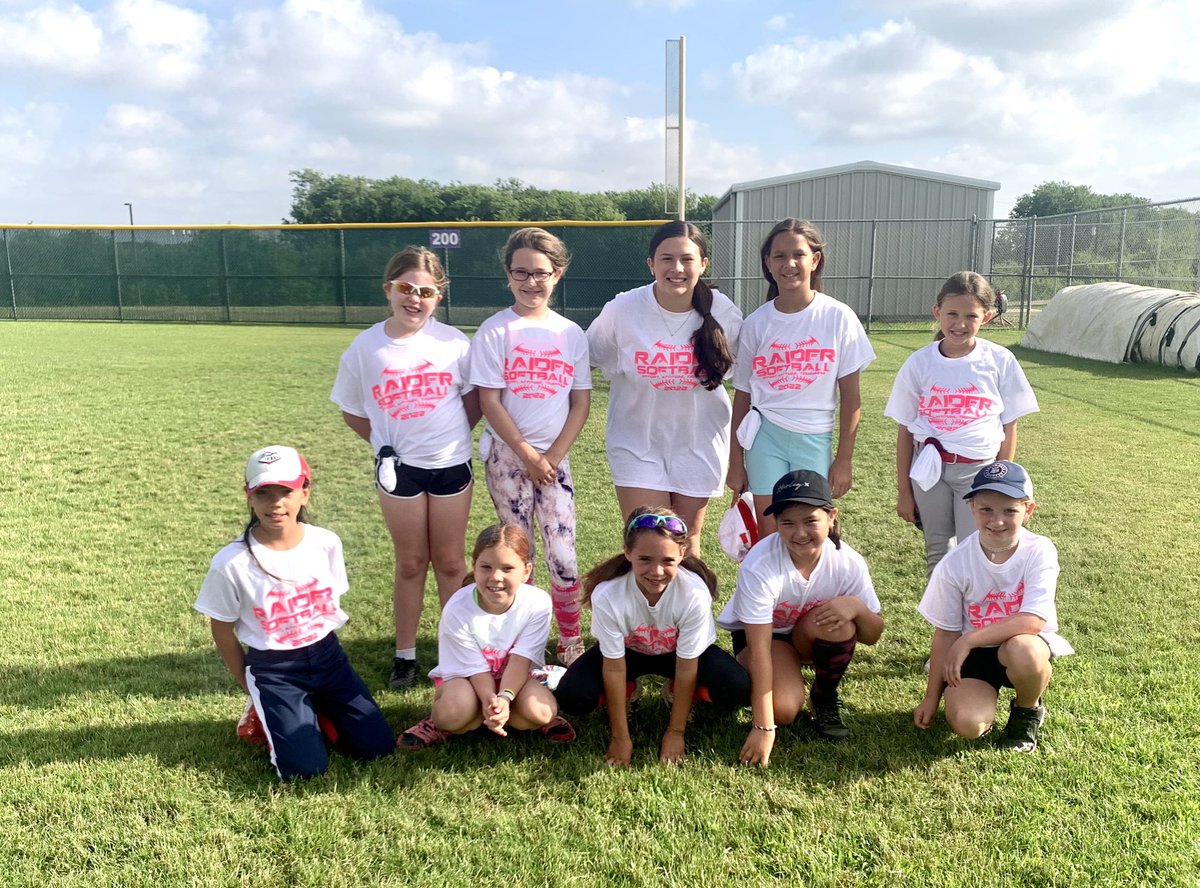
(862, 166)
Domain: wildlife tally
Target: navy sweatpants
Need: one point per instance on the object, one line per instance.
(290, 688)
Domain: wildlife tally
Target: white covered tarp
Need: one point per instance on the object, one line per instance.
(1119, 322)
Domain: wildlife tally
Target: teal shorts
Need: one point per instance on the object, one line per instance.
(777, 451)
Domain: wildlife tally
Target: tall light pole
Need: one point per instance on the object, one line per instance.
(128, 204)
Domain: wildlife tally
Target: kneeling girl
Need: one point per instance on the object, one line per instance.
(803, 596)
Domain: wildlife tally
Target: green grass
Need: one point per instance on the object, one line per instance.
(121, 449)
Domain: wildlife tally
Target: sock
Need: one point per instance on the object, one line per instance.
(830, 661)
(406, 653)
(566, 609)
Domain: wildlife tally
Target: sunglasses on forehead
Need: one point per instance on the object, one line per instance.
(404, 288)
(649, 522)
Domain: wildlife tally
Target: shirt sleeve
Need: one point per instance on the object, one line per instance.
(1041, 582)
(606, 626)
(219, 597)
(858, 582)
(603, 350)
(729, 316)
(485, 363)
(743, 364)
(582, 379)
(855, 347)
(902, 403)
(531, 641)
(1017, 394)
(754, 598)
(347, 385)
(459, 655)
(696, 628)
(941, 605)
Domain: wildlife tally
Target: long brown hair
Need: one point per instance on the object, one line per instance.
(618, 565)
(709, 343)
(509, 535)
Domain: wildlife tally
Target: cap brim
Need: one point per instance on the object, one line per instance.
(1009, 490)
(776, 508)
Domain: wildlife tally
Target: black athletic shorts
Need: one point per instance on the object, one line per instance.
(412, 482)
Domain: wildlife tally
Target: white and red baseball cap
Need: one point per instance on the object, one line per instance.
(276, 465)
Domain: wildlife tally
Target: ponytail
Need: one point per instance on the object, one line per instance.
(709, 344)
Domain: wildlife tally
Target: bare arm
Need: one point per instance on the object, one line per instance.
(360, 425)
(757, 748)
(736, 479)
(935, 684)
(841, 472)
(1008, 447)
(620, 746)
(230, 650)
(471, 405)
(906, 505)
(671, 749)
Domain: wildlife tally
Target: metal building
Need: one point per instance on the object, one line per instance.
(893, 233)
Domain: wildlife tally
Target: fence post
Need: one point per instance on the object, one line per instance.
(117, 271)
(974, 242)
(12, 282)
(1158, 251)
(223, 280)
(871, 277)
(1121, 244)
(1071, 261)
(341, 233)
(1030, 258)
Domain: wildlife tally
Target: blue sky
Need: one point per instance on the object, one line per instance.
(196, 111)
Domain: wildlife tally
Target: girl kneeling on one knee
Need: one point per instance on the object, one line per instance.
(803, 596)
(277, 590)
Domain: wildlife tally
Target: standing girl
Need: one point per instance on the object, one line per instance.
(957, 401)
(802, 596)
(665, 347)
(530, 366)
(799, 358)
(277, 590)
(492, 632)
(652, 615)
(402, 388)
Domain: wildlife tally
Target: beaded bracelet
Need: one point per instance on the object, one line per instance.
(508, 694)
(767, 728)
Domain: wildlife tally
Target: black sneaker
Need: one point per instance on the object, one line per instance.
(404, 673)
(1020, 734)
(828, 718)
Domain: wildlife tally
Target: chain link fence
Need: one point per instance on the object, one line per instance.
(888, 271)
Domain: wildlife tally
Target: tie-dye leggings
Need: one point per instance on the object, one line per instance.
(519, 501)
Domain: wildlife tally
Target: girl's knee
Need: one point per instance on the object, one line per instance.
(968, 725)
(1025, 653)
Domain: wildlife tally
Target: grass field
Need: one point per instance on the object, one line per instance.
(122, 447)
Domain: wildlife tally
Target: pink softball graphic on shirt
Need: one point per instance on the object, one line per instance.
(794, 365)
(411, 392)
(668, 366)
(996, 605)
(652, 640)
(537, 373)
(294, 617)
(948, 410)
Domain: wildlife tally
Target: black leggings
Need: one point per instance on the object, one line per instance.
(723, 677)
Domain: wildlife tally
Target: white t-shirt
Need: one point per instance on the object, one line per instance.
(790, 363)
(963, 402)
(967, 591)
(471, 641)
(770, 589)
(411, 390)
(269, 614)
(665, 430)
(537, 363)
(681, 622)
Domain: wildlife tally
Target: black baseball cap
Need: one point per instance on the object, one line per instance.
(800, 486)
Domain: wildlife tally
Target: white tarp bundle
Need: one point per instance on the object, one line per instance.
(1119, 322)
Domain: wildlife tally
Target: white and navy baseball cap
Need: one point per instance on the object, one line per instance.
(800, 486)
(1003, 477)
(276, 465)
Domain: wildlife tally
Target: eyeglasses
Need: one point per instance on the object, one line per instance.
(404, 288)
(520, 275)
(649, 522)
